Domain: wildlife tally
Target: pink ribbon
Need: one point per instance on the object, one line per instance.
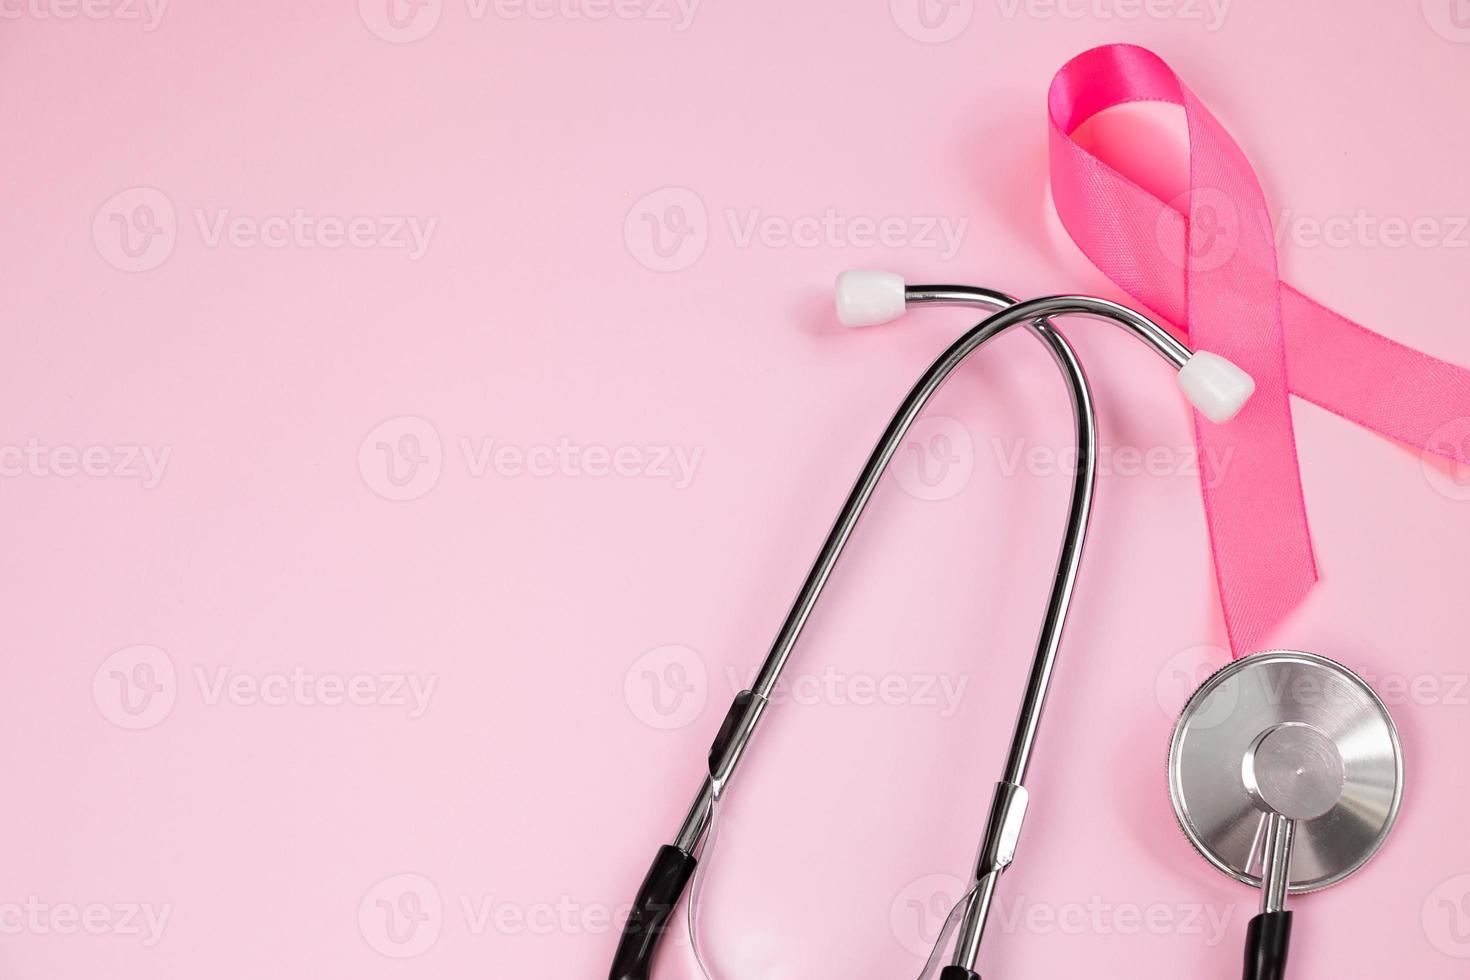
(1207, 263)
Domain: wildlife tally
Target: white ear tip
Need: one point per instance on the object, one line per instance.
(1215, 386)
(866, 297)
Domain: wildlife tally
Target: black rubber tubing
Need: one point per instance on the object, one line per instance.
(657, 897)
(1267, 942)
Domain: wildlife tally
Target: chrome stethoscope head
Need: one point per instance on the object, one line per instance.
(1286, 773)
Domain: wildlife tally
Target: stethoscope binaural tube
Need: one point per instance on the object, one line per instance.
(1213, 384)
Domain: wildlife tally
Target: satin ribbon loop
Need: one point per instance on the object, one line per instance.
(1207, 263)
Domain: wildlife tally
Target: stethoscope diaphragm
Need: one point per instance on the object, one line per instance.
(1294, 734)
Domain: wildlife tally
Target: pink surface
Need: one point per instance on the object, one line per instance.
(267, 694)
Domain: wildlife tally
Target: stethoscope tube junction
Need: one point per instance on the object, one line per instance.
(1217, 388)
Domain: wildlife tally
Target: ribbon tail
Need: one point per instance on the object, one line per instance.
(1378, 383)
(1259, 537)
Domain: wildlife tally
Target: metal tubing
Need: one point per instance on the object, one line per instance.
(1033, 314)
(1276, 862)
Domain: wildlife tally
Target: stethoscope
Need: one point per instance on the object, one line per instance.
(1285, 769)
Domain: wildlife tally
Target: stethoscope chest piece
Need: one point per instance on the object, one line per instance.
(1290, 737)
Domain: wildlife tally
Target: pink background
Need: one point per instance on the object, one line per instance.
(513, 816)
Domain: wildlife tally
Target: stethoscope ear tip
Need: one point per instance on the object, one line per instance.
(867, 297)
(1215, 386)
